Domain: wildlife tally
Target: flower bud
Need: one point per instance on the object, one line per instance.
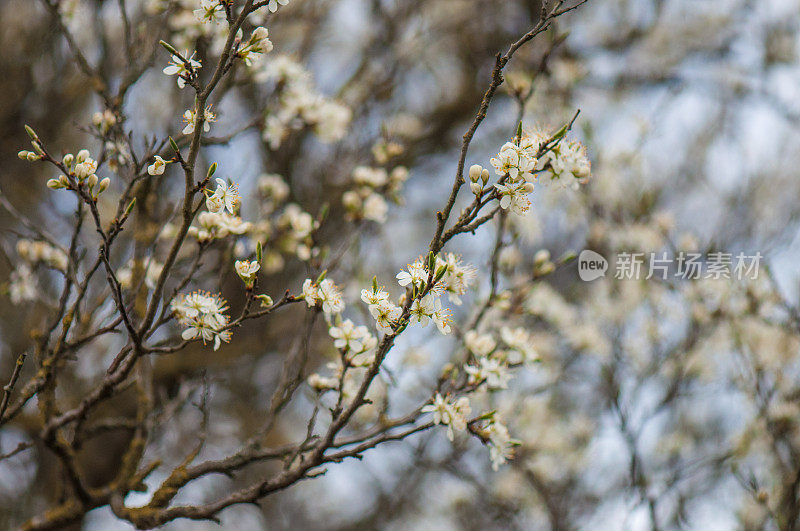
(54, 184)
(101, 187)
(91, 182)
(67, 160)
(485, 176)
(63, 180)
(475, 172)
(82, 155)
(546, 268)
(33, 157)
(541, 256)
(259, 34)
(476, 188)
(266, 300)
(23, 154)
(31, 132)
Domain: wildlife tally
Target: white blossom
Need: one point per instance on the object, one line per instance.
(479, 344)
(247, 271)
(189, 117)
(514, 196)
(325, 295)
(158, 166)
(273, 4)
(415, 273)
(374, 177)
(385, 314)
(210, 11)
(348, 336)
(85, 166)
(225, 196)
(35, 252)
(203, 316)
(501, 445)
(177, 66)
(22, 286)
(374, 296)
(258, 44)
(490, 371)
(375, 208)
(519, 340)
(423, 309)
(451, 414)
(216, 225)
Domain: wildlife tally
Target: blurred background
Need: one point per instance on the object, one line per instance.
(656, 405)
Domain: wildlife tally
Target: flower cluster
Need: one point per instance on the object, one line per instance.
(451, 413)
(299, 105)
(298, 227)
(501, 445)
(203, 315)
(515, 163)
(82, 168)
(258, 44)
(566, 162)
(217, 225)
(323, 294)
(355, 342)
(519, 162)
(491, 371)
(104, 121)
(367, 198)
(457, 278)
(273, 190)
(34, 252)
(22, 285)
(282, 229)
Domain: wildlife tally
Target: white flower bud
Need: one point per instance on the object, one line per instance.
(101, 187)
(67, 160)
(476, 188)
(63, 180)
(475, 172)
(541, 256)
(260, 33)
(23, 154)
(91, 182)
(485, 176)
(33, 157)
(82, 155)
(54, 184)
